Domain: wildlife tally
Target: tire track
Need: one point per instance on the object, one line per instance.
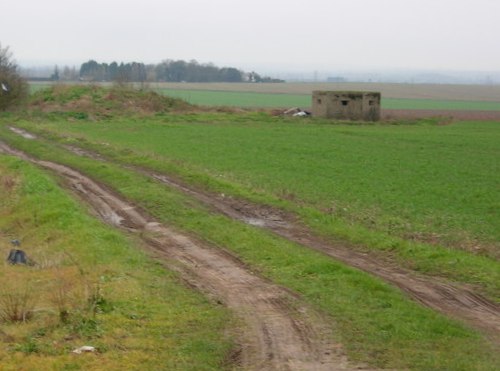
(281, 333)
(452, 300)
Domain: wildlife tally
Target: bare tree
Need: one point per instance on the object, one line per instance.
(13, 88)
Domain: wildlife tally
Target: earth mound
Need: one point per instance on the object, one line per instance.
(83, 101)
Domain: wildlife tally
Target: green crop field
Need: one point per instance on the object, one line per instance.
(403, 178)
(423, 196)
(239, 99)
(254, 99)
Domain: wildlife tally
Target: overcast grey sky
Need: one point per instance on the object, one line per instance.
(270, 34)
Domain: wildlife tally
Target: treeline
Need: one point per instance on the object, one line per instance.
(166, 71)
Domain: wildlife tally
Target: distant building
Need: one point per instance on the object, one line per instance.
(336, 79)
(347, 105)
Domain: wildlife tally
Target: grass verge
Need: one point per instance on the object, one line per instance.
(92, 286)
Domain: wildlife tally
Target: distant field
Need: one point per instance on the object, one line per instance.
(394, 96)
(489, 93)
(239, 99)
(269, 100)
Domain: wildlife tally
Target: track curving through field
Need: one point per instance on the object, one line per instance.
(280, 331)
(450, 299)
(458, 302)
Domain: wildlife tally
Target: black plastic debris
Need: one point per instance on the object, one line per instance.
(17, 256)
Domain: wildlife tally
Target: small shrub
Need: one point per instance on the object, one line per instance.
(28, 347)
(17, 302)
(97, 303)
(13, 89)
(8, 182)
(83, 326)
(78, 115)
(60, 295)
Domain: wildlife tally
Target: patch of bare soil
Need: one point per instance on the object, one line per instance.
(281, 333)
(460, 115)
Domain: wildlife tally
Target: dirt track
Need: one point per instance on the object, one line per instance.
(281, 333)
(452, 300)
(455, 301)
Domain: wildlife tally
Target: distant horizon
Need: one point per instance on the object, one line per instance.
(249, 67)
(261, 35)
(389, 75)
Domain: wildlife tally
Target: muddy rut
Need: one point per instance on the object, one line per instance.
(280, 332)
(452, 300)
(458, 302)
